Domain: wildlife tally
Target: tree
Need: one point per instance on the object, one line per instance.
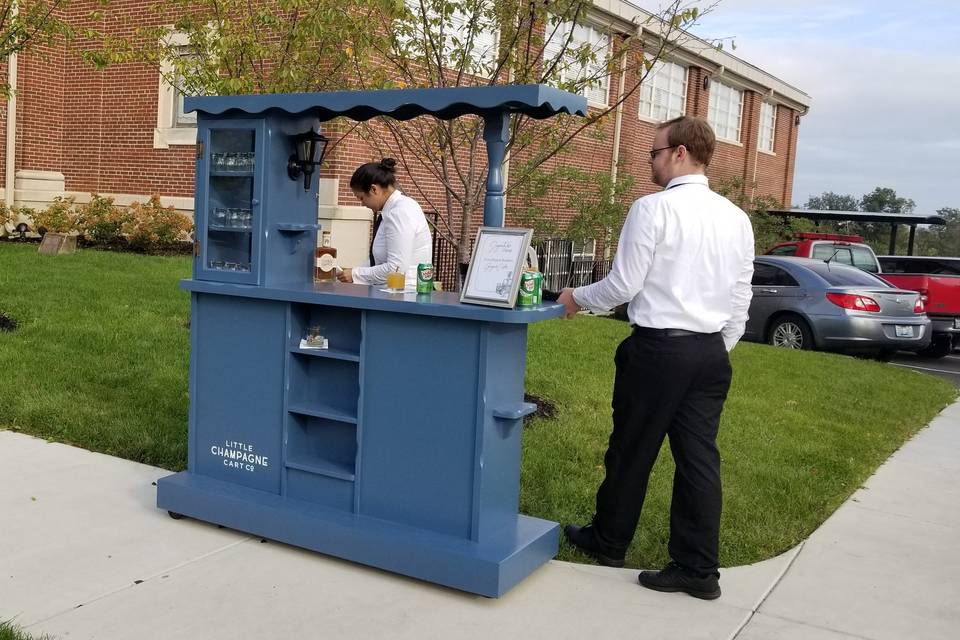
(768, 229)
(30, 25)
(237, 46)
(942, 240)
(830, 201)
(444, 43)
(229, 47)
(885, 200)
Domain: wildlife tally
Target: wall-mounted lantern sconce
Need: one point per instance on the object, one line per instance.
(310, 147)
(796, 120)
(706, 82)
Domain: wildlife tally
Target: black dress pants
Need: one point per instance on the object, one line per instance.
(666, 386)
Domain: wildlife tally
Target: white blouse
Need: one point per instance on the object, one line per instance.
(402, 242)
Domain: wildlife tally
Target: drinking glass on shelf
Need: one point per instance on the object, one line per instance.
(233, 218)
(220, 216)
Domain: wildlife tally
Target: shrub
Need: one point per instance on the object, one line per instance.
(153, 226)
(8, 215)
(58, 217)
(100, 221)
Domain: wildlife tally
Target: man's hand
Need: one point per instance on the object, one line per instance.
(346, 275)
(566, 299)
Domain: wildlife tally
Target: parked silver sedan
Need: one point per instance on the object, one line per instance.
(799, 303)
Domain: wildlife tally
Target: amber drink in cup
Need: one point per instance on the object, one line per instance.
(395, 281)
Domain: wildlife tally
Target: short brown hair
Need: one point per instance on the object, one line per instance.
(694, 134)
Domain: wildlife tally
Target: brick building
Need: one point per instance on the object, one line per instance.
(121, 133)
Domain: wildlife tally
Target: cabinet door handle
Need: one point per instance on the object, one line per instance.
(254, 202)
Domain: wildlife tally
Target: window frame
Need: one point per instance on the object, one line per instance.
(169, 130)
(652, 76)
(713, 108)
(414, 7)
(769, 124)
(560, 31)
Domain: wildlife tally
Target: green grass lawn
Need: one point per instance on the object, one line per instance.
(100, 360)
(10, 631)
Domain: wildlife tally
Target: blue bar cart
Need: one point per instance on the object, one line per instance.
(398, 446)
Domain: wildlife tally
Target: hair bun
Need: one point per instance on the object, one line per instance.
(389, 164)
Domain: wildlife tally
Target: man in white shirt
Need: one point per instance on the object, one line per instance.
(684, 264)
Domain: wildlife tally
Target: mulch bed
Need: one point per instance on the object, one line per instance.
(6, 322)
(545, 409)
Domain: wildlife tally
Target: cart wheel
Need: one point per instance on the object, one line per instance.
(175, 515)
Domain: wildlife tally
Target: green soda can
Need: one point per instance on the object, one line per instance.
(528, 290)
(538, 286)
(425, 277)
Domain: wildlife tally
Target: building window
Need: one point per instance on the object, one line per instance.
(726, 107)
(174, 127)
(481, 60)
(584, 59)
(768, 124)
(663, 93)
(181, 118)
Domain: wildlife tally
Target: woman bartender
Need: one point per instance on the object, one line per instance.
(401, 237)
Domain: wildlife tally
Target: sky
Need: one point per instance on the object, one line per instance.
(884, 78)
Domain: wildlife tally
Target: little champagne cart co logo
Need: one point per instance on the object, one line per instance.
(239, 455)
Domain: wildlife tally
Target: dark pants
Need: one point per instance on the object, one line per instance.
(676, 387)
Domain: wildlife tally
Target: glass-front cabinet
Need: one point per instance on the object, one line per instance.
(229, 186)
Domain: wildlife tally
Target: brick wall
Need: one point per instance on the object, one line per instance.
(97, 129)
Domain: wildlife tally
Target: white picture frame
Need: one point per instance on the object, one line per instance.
(493, 276)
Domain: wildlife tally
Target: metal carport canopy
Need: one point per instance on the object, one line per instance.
(893, 219)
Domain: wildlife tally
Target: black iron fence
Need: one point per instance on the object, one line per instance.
(562, 262)
(445, 262)
(563, 265)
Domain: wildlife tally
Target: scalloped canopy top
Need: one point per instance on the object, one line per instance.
(534, 100)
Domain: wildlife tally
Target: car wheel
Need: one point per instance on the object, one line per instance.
(790, 332)
(939, 348)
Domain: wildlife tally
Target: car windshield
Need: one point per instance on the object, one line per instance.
(838, 275)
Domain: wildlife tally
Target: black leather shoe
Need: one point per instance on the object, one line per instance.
(585, 539)
(674, 577)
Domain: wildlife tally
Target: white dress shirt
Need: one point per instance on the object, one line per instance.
(402, 241)
(684, 261)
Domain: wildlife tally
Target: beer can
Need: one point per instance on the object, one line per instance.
(425, 277)
(538, 284)
(528, 290)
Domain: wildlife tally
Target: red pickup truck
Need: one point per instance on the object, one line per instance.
(937, 279)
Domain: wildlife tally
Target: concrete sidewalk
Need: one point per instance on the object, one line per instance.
(84, 553)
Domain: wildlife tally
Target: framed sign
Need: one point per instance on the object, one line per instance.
(493, 276)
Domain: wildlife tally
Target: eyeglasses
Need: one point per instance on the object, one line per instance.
(654, 152)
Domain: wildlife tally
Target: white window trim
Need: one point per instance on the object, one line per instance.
(166, 133)
(686, 91)
(773, 132)
(414, 7)
(609, 46)
(735, 142)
